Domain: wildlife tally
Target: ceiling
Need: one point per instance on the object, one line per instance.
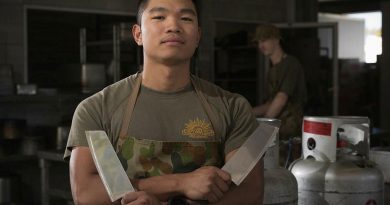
(348, 6)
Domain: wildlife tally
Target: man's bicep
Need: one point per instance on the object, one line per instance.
(86, 185)
(81, 163)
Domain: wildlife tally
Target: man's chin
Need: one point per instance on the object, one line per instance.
(174, 60)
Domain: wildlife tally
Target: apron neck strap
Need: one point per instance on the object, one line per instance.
(130, 106)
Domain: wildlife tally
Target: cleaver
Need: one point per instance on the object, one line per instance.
(247, 156)
(113, 176)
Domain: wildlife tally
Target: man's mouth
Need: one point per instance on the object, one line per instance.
(172, 40)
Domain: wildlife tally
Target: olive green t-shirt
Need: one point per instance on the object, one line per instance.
(288, 77)
(164, 116)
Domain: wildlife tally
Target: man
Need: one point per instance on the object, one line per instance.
(172, 131)
(286, 85)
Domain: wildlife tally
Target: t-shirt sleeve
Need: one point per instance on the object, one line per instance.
(87, 116)
(290, 78)
(243, 124)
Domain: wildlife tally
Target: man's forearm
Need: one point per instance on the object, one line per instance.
(261, 109)
(163, 187)
(277, 105)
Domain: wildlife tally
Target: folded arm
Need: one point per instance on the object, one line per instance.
(87, 187)
(209, 183)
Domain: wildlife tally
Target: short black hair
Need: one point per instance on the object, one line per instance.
(143, 3)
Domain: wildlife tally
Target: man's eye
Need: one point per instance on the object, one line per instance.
(186, 19)
(158, 17)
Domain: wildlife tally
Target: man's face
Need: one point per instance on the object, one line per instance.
(169, 30)
(268, 46)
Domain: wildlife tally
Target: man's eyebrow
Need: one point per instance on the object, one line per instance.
(158, 9)
(182, 11)
(188, 11)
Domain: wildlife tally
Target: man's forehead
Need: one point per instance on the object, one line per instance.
(185, 6)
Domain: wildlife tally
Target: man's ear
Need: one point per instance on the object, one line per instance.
(137, 35)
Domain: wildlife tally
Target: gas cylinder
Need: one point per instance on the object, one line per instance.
(335, 166)
(280, 185)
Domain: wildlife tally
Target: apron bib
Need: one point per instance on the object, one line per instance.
(143, 158)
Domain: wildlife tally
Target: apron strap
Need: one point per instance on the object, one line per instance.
(206, 106)
(130, 107)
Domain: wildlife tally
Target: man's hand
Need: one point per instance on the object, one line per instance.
(139, 198)
(206, 183)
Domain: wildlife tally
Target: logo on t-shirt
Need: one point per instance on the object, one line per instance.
(198, 129)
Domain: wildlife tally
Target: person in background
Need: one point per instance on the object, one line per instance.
(286, 89)
(172, 131)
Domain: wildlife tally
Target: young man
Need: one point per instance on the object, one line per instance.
(286, 85)
(172, 131)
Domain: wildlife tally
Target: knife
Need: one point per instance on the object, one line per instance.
(111, 171)
(247, 156)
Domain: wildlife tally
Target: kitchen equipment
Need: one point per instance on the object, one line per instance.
(12, 128)
(280, 185)
(6, 79)
(93, 77)
(26, 89)
(87, 77)
(247, 156)
(381, 156)
(62, 137)
(125, 27)
(9, 188)
(323, 137)
(29, 146)
(110, 169)
(335, 168)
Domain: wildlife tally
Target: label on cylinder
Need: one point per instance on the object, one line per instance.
(318, 128)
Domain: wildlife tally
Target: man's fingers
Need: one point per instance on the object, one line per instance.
(211, 197)
(222, 185)
(131, 196)
(217, 192)
(224, 175)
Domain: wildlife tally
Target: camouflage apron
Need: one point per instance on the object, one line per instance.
(144, 158)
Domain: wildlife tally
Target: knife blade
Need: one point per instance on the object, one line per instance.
(247, 156)
(110, 169)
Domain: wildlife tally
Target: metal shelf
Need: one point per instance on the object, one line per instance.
(45, 160)
(16, 158)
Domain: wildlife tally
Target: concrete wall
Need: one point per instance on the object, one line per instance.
(385, 67)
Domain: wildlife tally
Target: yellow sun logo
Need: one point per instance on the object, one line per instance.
(198, 129)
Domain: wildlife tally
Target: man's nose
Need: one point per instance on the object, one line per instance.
(173, 25)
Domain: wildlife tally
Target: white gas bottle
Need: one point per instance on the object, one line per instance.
(280, 185)
(335, 166)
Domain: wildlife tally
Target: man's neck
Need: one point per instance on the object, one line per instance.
(277, 56)
(165, 78)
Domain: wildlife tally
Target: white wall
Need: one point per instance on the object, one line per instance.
(351, 36)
